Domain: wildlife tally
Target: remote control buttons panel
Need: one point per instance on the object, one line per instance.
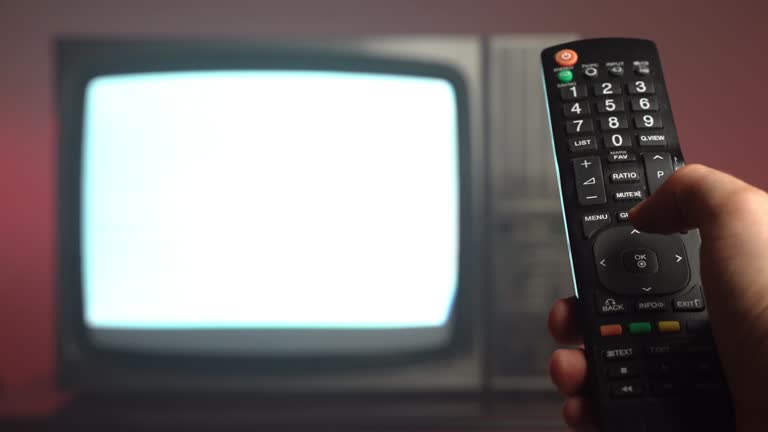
(649, 340)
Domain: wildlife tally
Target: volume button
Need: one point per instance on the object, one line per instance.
(588, 173)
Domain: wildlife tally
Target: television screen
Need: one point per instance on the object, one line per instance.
(269, 211)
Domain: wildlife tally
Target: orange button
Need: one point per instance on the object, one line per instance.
(610, 330)
(566, 57)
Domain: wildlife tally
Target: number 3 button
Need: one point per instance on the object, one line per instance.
(641, 87)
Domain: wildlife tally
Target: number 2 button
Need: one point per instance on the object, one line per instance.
(607, 88)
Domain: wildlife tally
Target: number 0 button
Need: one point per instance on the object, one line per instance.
(617, 140)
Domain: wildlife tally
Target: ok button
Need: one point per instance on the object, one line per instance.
(640, 260)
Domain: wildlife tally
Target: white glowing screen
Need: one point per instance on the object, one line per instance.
(269, 199)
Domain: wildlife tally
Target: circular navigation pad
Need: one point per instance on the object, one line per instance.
(633, 263)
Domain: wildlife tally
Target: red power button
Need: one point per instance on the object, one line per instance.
(566, 57)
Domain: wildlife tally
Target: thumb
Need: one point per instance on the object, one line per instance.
(693, 197)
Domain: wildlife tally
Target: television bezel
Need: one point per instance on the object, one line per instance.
(79, 61)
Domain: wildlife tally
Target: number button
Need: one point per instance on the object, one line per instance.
(576, 109)
(578, 126)
(641, 87)
(617, 140)
(648, 121)
(607, 88)
(647, 103)
(573, 92)
(610, 105)
(613, 123)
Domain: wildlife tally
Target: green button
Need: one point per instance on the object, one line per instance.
(565, 76)
(639, 328)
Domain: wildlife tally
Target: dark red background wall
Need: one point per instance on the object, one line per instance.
(714, 53)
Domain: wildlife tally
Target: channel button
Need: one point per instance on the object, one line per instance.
(658, 168)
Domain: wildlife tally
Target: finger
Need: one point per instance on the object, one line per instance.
(568, 370)
(564, 322)
(577, 413)
(692, 197)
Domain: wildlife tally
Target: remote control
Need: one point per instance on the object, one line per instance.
(652, 361)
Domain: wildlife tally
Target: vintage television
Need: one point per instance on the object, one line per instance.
(312, 221)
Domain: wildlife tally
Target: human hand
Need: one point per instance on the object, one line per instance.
(732, 217)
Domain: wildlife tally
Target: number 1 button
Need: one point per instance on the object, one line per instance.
(573, 92)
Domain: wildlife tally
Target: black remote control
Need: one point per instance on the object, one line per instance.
(652, 362)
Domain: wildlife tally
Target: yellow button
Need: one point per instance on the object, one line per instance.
(566, 57)
(669, 326)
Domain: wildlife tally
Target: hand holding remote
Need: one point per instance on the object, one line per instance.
(733, 220)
